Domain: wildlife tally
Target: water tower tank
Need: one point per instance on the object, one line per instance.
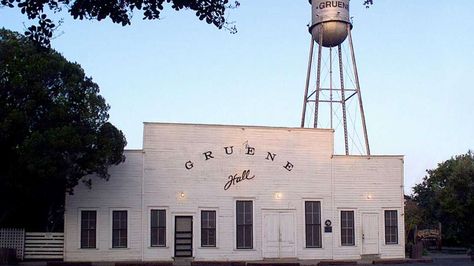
(330, 17)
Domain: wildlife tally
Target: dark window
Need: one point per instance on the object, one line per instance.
(208, 228)
(119, 229)
(88, 229)
(313, 224)
(347, 228)
(391, 227)
(158, 228)
(244, 215)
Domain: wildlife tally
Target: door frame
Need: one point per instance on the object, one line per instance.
(192, 234)
(278, 211)
(377, 215)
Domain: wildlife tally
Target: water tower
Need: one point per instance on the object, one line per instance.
(330, 27)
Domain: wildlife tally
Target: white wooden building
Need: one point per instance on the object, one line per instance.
(215, 192)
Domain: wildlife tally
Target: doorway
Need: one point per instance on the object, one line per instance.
(183, 236)
(370, 233)
(279, 237)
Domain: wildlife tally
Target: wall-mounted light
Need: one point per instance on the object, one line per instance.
(369, 196)
(277, 195)
(181, 195)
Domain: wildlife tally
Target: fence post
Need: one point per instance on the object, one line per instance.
(440, 237)
(415, 234)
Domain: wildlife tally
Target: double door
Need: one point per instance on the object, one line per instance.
(279, 234)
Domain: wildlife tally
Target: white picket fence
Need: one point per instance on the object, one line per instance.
(44, 246)
(33, 245)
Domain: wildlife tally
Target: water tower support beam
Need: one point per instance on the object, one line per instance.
(343, 102)
(331, 114)
(356, 76)
(318, 78)
(308, 77)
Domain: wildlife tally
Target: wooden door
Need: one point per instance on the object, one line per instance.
(370, 233)
(279, 237)
(271, 235)
(183, 236)
(287, 235)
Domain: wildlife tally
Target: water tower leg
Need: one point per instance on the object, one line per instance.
(356, 76)
(343, 99)
(308, 78)
(318, 79)
(331, 114)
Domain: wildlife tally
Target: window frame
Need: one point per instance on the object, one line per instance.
(353, 227)
(201, 211)
(127, 244)
(151, 227)
(388, 237)
(81, 228)
(316, 224)
(236, 224)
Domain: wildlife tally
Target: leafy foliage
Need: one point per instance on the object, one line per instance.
(53, 131)
(120, 12)
(368, 3)
(447, 195)
(413, 218)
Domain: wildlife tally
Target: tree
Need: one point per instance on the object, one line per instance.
(54, 130)
(446, 195)
(120, 12)
(368, 3)
(413, 218)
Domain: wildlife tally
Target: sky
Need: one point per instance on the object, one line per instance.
(415, 61)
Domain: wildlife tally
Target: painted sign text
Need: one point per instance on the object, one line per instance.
(234, 179)
(248, 151)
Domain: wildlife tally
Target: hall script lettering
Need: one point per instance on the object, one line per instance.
(234, 179)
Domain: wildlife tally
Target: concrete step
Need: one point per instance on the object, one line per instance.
(182, 261)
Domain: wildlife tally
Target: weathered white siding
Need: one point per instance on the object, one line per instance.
(311, 173)
(167, 147)
(369, 185)
(121, 192)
